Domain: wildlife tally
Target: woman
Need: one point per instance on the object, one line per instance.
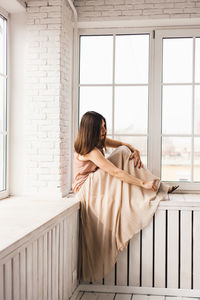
(118, 196)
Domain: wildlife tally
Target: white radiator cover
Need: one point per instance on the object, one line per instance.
(45, 266)
(166, 254)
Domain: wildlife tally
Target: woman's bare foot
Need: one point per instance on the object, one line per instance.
(172, 188)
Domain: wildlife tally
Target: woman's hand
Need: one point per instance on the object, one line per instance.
(137, 160)
(151, 185)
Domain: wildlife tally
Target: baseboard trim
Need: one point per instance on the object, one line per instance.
(136, 290)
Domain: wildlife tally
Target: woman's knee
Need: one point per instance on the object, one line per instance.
(125, 151)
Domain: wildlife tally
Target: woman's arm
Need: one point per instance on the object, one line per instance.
(135, 153)
(99, 160)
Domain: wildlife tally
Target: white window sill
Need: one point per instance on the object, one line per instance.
(21, 217)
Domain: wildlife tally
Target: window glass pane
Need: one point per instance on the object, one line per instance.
(132, 59)
(131, 110)
(138, 142)
(177, 60)
(197, 60)
(1, 45)
(197, 111)
(96, 59)
(2, 162)
(2, 103)
(177, 110)
(197, 159)
(176, 158)
(98, 99)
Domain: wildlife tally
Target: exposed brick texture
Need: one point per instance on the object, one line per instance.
(48, 97)
(136, 9)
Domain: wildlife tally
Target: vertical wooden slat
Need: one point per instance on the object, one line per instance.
(40, 268)
(60, 274)
(22, 260)
(45, 276)
(65, 257)
(53, 270)
(8, 281)
(147, 255)
(49, 266)
(35, 271)
(196, 250)
(69, 256)
(30, 272)
(160, 244)
(172, 249)
(185, 272)
(56, 259)
(1, 282)
(110, 277)
(16, 275)
(122, 268)
(134, 261)
(75, 234)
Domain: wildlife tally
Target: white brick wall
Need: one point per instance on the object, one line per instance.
(89, 10)
(48, 97)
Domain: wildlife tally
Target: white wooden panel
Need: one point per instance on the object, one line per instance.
(40, 267)
(66, 233)
(196, 250)
(186, 238)
(16, 279)
(139, 297)
(173, 298)
(147, 255)
(69, 256)
(35, 270)
(122, 268)
(53, 271)
(8, 280)
(89, 296)
(134, 261)
(56, 259)
(160, 244)
(172, 249)
(61, 273)
(30, 272)
(103, 296)
(123, 297)
(1, 282)
(49, 266)
(156, 297)
(23, 284)
(110, 277)
(45, 268)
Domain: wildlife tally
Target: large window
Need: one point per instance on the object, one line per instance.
(114, 80)
(147, 85)
(3, 107)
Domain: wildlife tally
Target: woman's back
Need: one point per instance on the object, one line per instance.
(82, 169)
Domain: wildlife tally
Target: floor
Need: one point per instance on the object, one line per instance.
(120, 296)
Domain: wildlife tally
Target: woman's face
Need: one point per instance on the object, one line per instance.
(102, 131)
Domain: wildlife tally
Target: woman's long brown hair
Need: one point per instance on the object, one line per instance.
(89, 133)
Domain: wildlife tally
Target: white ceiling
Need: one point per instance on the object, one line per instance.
(13, 6)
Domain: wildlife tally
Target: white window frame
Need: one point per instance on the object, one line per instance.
(159, 35)
(154, 119)
(5, 193)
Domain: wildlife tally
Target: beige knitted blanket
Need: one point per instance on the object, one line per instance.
(112, 212)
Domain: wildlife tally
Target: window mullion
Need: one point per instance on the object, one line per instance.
(155, 108)
(193, 94)
(113, 87)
